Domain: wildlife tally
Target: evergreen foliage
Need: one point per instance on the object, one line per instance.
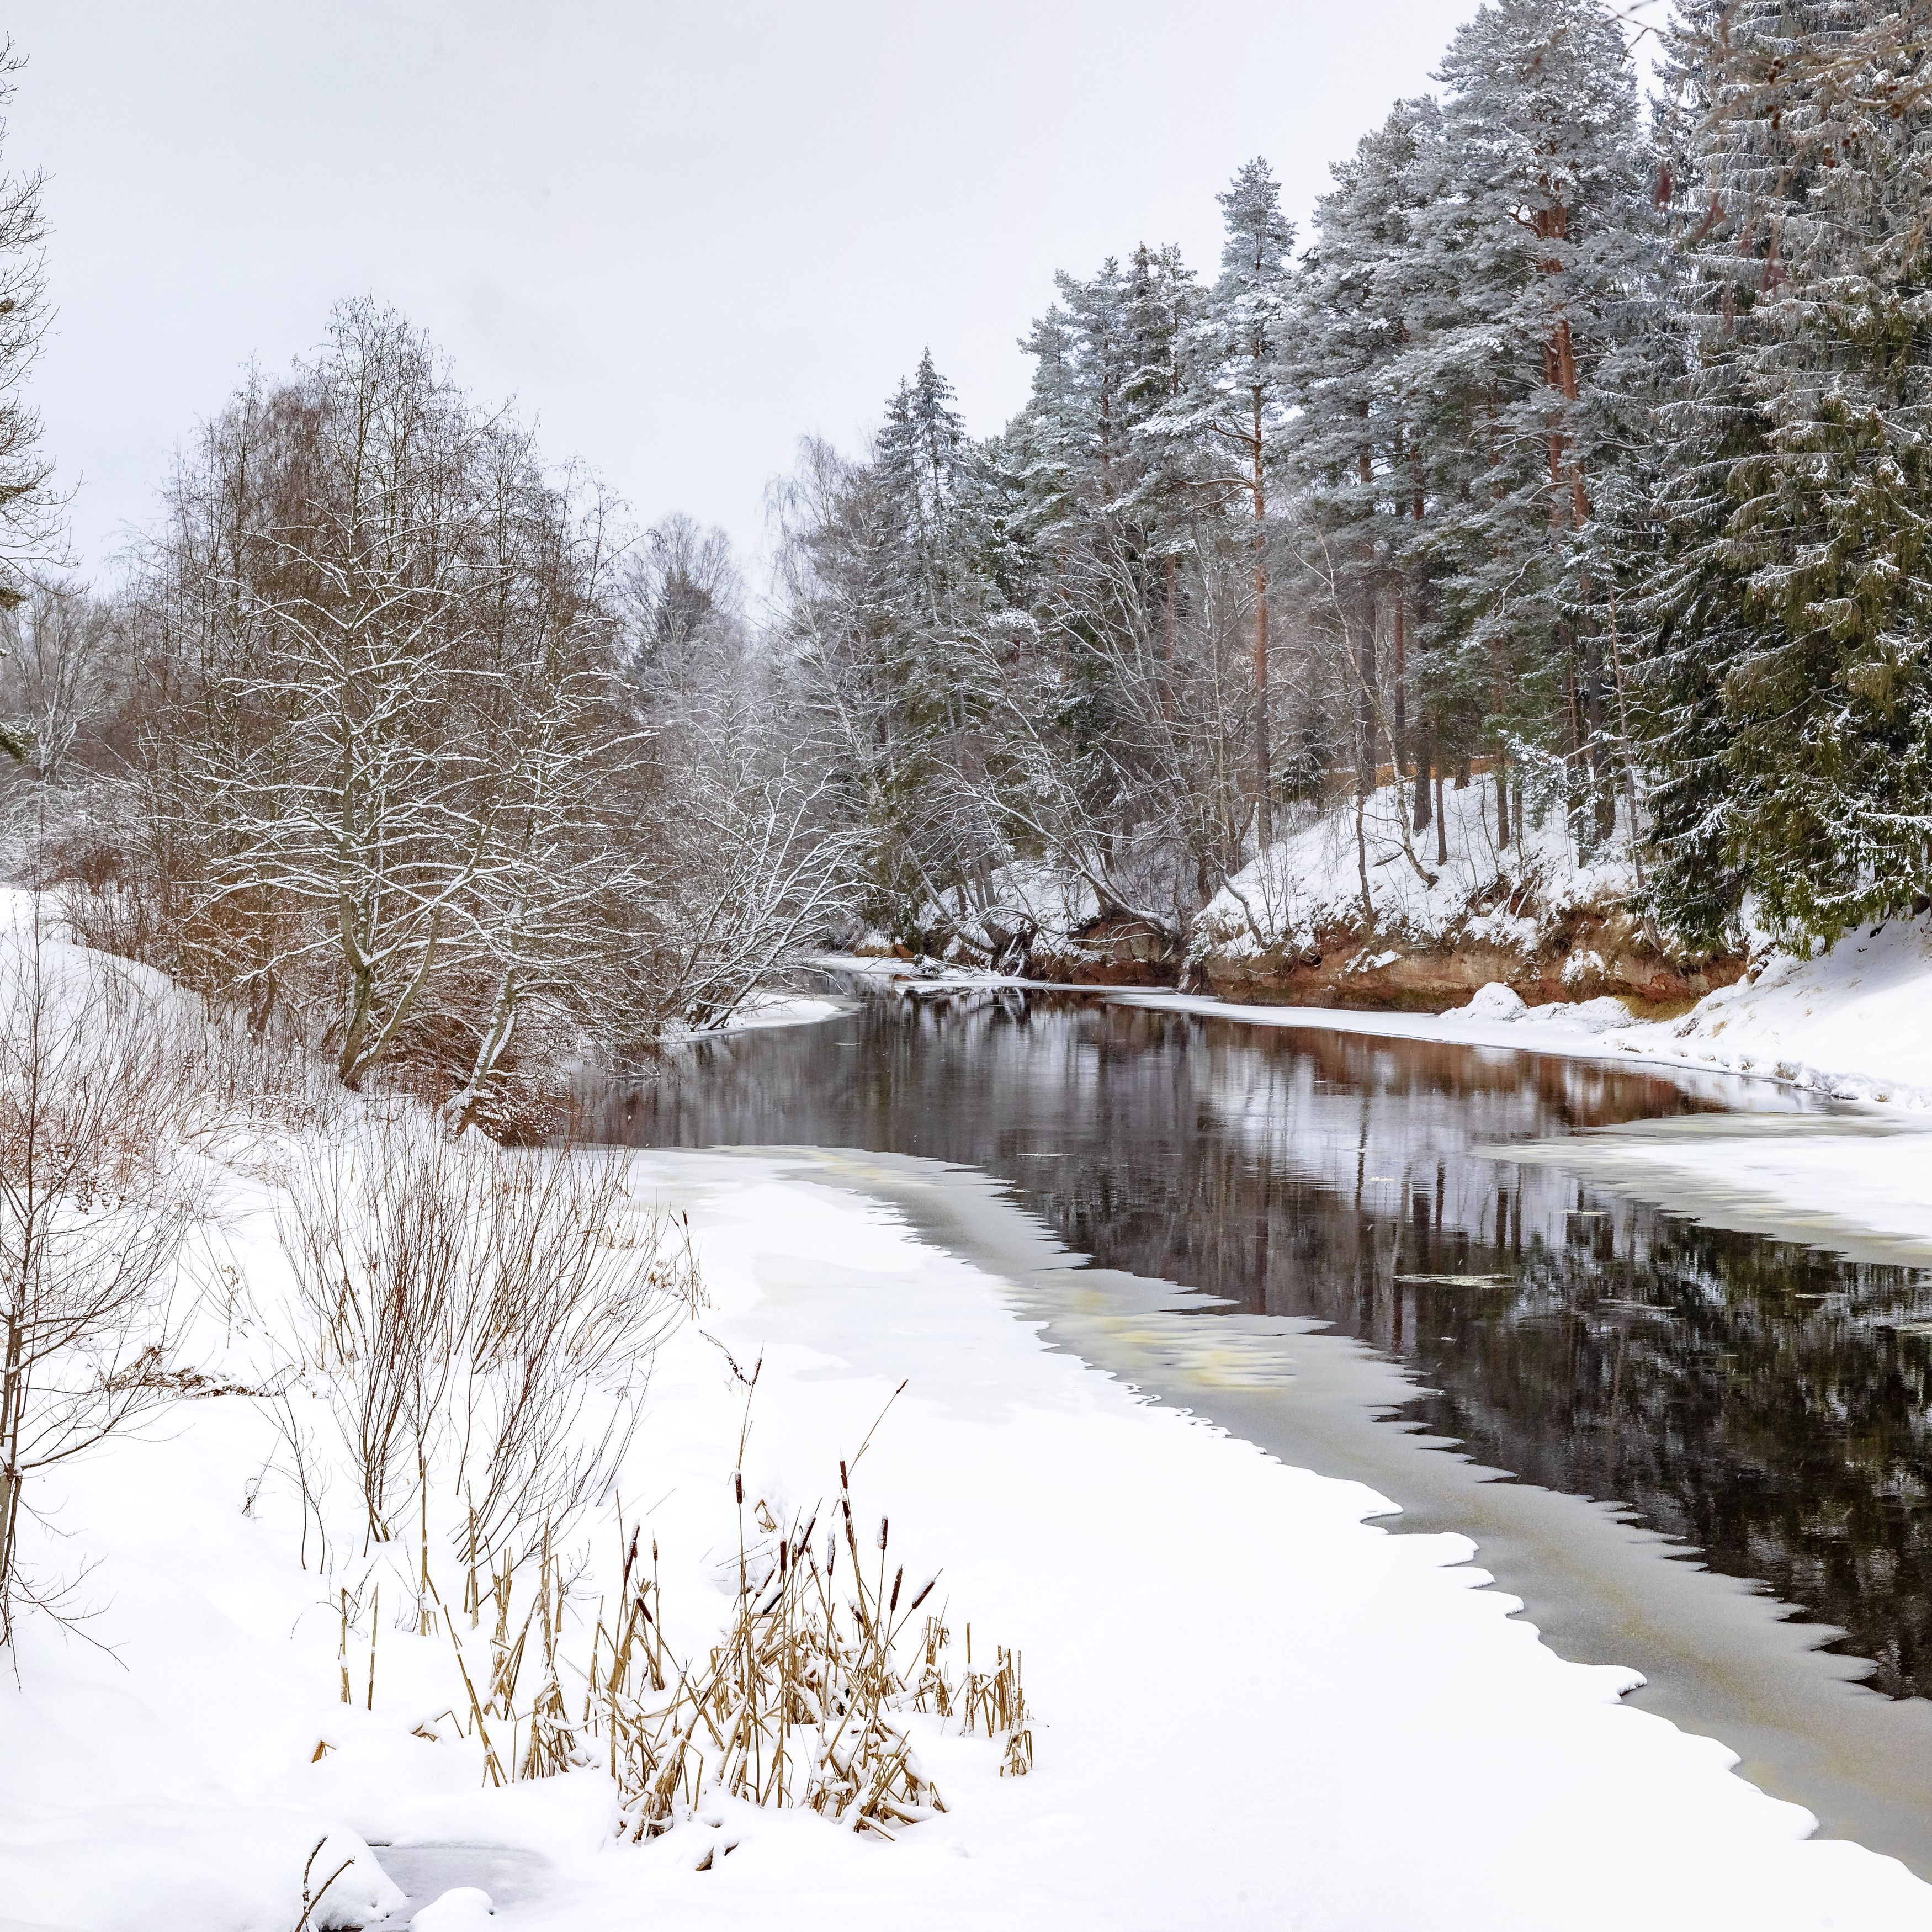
(1793, 597)
(1587, 447)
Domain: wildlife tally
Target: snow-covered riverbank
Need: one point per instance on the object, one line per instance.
(1853, 1025)
(1252, 1706)
(1245, 1689)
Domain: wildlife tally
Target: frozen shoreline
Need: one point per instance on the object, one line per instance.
(1242, 1684)
(1853, 1027)
(1239, 1678)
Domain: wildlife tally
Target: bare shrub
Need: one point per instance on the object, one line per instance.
(101, 1089)
(481, 1322)
(380, 1248)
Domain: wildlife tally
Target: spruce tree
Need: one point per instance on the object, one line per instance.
(1356, 441)
(1794, 599)
(1237, 401)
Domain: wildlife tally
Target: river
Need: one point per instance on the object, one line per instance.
(1697, 1451)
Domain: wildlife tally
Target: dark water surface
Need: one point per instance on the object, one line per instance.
(1762, 1401)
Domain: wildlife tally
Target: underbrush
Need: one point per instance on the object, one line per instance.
(451, 1342)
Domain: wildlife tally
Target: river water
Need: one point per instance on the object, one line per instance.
(1713, 1443)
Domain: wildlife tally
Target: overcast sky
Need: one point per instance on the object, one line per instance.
(681, 236)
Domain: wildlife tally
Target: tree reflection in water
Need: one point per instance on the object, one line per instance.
(1752, 1397)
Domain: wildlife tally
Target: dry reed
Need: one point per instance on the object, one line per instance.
(802, 1701)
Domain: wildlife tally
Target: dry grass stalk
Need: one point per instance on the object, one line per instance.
(801, 1703)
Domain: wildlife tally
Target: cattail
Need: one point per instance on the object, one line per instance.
(882, 1532)
(843, 1483)
(738, 1484)
(784, 1550)
(898, 1577)
(925, 1591)
(831, 1554)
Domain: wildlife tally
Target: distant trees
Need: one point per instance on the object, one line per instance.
(60, 665)
(1320, 519)
(409, 743)
(1580, 450)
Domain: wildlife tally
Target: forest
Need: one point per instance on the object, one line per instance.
(1574, 461)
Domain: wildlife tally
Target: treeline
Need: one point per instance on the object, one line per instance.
(1583, 446)
(395, 735)
(1580, 452)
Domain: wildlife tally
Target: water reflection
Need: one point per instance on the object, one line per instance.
(1755, 1397)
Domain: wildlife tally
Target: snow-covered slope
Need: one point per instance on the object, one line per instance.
(1311, 883)
(1855, 1021)
(1350, 907)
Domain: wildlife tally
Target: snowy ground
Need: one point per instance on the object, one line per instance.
(1311, 881)
(1248, 1695)
(1254, 1706)
(767, 1007)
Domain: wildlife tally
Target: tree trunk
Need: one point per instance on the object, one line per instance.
(1398, 733)
(1263, 750)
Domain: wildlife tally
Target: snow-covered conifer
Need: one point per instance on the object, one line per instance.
(1236, 401)
(1541, 237)
(1791, 696)
(1357, 441)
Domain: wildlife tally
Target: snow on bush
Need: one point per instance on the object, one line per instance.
(416, 1363)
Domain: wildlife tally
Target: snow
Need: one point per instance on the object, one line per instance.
(1255, 1705)
(1855, 1021)
(1496, 1001)
(1852, 1023)
(766, 1006)
(1310, 882)
(462, 1908)
(1352, 1677)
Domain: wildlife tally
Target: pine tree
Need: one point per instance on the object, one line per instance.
(1237, 402)
(1355, 442)
(1541, 233)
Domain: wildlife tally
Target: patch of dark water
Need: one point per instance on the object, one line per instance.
(1756, 1398)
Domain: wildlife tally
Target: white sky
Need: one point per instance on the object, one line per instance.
(681, 236)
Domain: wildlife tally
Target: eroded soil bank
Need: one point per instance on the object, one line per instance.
(1584, 955)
